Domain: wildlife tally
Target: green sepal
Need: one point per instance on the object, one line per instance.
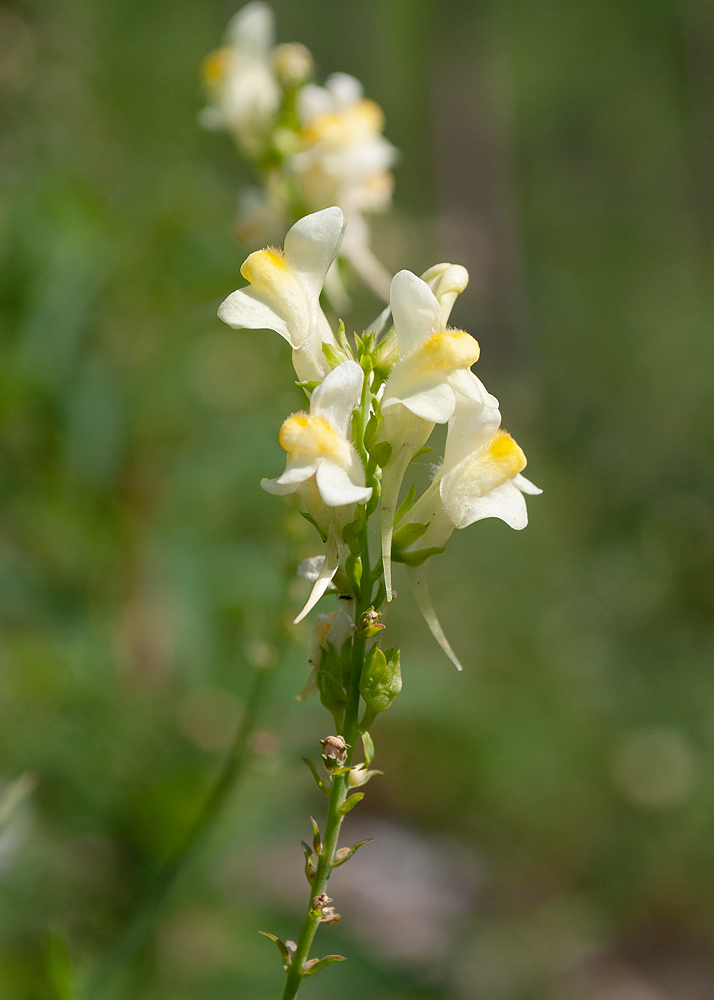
(349, 852)
(316, 965)
(350, 803)
(313, 522)
(322, 785)
(414, 559)
(426, 450)
(334, 357)
(381, 453)
(405, 505)
(282, 948)
(368, 746)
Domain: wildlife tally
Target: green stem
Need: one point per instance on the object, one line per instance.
(340, 787)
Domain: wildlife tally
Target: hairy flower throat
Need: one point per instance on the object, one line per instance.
(313, 435)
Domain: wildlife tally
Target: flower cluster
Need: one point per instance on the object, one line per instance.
(372, 408)
(311, 146)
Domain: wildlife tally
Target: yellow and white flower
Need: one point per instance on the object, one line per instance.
(480, 477)
(433, 372)
(345, 160)
(323, 465)
(284, 292)
(243, 92)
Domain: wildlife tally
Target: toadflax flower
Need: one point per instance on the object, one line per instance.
(284, 292)
(323, 465)
(432, 373)
(345, 160)
(243, 92)
(479, 477)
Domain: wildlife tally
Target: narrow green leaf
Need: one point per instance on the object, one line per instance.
(59, 969)
(316, 841)
(350, 803)
(316, 965)
(422, 451)
(322, 785)
(407, 535)
(418, 557)
(345, 853)
(282, 948)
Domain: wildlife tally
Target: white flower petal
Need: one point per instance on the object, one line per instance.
(243, 311)
(337, 488)
(299, 468)
(310, 567)
(329, 568)
(312, 244)
(344, 89)
(431, 398)
(505, 501)
(472, 389)
(277, 489)
(338, 395)
(525, 485)
(252, 28)
(415, 308)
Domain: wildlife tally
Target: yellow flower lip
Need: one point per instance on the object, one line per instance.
(448, 350)
(342, 127)
(505, 455)
(215, 66)
(315, 437)
(264, 266)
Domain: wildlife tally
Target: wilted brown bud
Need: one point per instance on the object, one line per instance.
(334, 751)
(321, 900)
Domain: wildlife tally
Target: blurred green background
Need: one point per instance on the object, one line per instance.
(545, 824)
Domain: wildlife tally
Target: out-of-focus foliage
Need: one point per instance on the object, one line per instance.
(554, 805)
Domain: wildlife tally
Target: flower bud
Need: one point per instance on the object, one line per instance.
(292, 63)
(381, 679)
(386, 354)
(446, 282)
(370, 623)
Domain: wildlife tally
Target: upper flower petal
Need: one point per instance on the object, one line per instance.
(312, 244)
(337, 396)
(415, 309)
